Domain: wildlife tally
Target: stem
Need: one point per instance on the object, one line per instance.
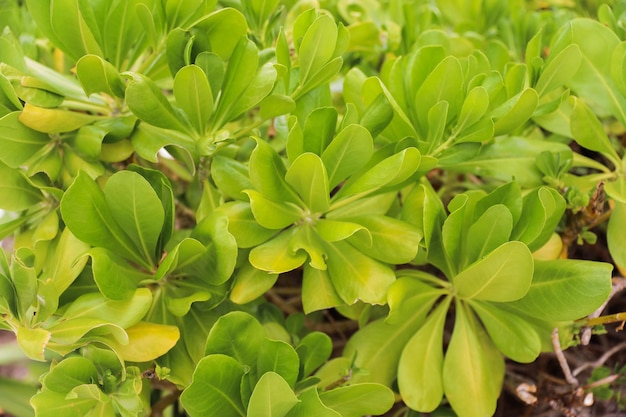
(556, 344)
(611, 318)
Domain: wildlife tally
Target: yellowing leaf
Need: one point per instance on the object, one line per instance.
(147, 341)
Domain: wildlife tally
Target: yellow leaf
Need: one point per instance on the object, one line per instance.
(147, 341)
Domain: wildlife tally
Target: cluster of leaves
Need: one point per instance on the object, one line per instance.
(165, 161)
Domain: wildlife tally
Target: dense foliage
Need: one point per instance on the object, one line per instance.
(168, 168)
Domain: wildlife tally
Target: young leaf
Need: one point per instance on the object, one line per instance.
(272, 397)
(238, 335)
(193, 95)
(313, 350)
(317, 46)
(420, 368)
(505, 274)
(19, 143)
(389, 240)
(348, 152)
(276, 356)
(250, 283)
(473, 369)
(215, 389)
(559, 69)
(99, 76)
(307, 175)
(356, 276)
(378, 346)
(122, 313)
(17, 193)
(615, 236)
(277, 255)
(491, 230)
(310, 405)
(589, 132)
(318, 290)
(148, 103)
(511, 334)
(135, 206)
(114, 276)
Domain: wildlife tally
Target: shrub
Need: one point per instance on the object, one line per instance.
(419, 168)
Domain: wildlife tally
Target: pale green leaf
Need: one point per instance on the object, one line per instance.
(473, 369)
(272, 397)
(420, 369)
(215, 389)
(193, 94)
(505, 274)
(564, 290)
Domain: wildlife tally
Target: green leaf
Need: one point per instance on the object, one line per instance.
(272, 214)
(616, 239)
(147, 102)
(277, 255)
(243, 226)
(543, 209)
(514, 113)
(420, 369)
(512, 335)
(307, 175)
(62, 22)
(589, 132)
(474, 108)
(135, 206)
(122, 313)
(565, 290)
(359, 399)
(17, 192)
(250, 283)
(239, 75)
(593, 78)
(310, 405)
(313, 350)
(491, 230)
(377, 347)
(348, 152)
(356, 276)
(99, 76)
(442, 84)
(318, 290)
(215, 389)
(272, 397)
(115, 277)
(276, 105)
(390, 171)
(389, 240)
(236, 334)
(559, 69)
(230, 176)
(224, 28)
(278, 357)
(193, 94)
(267, 173)
(86, 213)
(19, 143)
(317, 46)
(473, 369)
(505, 274)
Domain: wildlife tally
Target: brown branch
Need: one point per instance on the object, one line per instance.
(567, 372)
